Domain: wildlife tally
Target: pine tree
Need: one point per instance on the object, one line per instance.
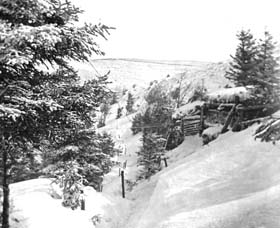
(36, 33)
(129, 104)
(119, 112)
(268, 71)
(104, 109)
(137, 123)
(89, 153)
(150, 154)
(244, 66)
(159, 111)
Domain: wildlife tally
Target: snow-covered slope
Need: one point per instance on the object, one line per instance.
(34, 205)
(129, 72)
(233, 182)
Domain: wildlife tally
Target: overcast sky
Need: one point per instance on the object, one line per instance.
(180, 29)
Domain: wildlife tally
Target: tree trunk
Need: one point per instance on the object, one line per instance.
(6, 190)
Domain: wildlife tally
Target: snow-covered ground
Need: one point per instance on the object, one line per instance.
(231, 182)
(234, 181)
(33, 205)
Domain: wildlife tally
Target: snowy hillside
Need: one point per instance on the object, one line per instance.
(210, 76)
(127, 72)
(225, 184)
(232, 182)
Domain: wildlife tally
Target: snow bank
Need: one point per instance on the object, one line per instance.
(189, 146)
(232, 182)
(187, 109)
(276, 115)
(229, 94)
(33, 206)
(211, 133)
(213, 130)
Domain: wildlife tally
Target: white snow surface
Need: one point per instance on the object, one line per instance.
(213, 130)
(33, 206)
(187, 109)
(276, 115)
(232, 182)
(228, 94)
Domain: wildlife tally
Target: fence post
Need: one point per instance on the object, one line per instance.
(83, 203)
(165, 162)
(122, 180)
(182, 126)
(201, 120)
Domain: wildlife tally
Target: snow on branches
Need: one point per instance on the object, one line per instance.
(269, 130)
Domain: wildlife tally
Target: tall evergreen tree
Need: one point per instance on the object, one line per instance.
(244, 66)
(129, 103)
(268, 66)
(137, 123)
(150, 154)
(119, 112)
(36, 33)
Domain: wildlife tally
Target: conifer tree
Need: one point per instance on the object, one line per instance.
(119, 112)
(244, 66)
(150, 154)
(268, 66)
(36, 33)
(137, 123)
(130, 103)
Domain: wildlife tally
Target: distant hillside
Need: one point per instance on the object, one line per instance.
(127, 72)
(136, 75)
(210, 75)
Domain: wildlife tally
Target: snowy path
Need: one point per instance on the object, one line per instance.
(120, 209)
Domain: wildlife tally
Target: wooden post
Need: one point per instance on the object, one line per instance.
(166, 142)
(122, 179)
(83, 205)
(165, 162)
(100, 188)
(229, 118)
(5, 186)
(201, 120)
(182, 126)
(241, 119)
